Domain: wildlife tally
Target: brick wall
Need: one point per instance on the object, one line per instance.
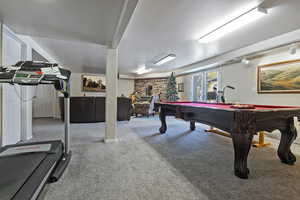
(158, 86)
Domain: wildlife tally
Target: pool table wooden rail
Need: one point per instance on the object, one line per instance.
(242, 124)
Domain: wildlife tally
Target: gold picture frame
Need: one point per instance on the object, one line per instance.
(93, 83)
(280, 77)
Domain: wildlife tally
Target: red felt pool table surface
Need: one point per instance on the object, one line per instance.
(228, 106)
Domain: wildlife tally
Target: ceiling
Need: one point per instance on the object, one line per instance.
(94, 21)
(173, 26)
(78, 56)
(75, 32)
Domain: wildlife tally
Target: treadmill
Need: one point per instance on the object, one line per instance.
(26, 168)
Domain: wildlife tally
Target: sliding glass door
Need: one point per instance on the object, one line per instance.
(205, 86)
(198, 87)
(211, 85)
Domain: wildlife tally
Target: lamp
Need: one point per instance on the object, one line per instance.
(223, 92)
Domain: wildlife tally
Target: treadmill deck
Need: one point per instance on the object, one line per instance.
(21, 175)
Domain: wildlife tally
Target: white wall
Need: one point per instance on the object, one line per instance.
(125, 86)
(11, 108)
(11, 103)
(43, 104)
(12, 50)
(244, 79)
(16, 116)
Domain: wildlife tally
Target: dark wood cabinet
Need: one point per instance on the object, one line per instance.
(92, 109)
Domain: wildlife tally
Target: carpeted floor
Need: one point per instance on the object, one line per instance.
(179, 165)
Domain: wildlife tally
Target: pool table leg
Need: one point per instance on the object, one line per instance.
(192, 125)
(162, 117)
(242, 144)
(288, 135)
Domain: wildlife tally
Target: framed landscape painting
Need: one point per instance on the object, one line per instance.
(93, 83)
(282, 77)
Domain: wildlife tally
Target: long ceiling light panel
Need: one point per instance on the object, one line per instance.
(142, 69)
(236, 23)
(165, 59)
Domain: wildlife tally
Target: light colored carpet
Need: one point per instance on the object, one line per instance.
(178, 165)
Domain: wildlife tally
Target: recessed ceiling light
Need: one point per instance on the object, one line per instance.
(245, 61)
(165, 59)
(234, 24)
(293, 49)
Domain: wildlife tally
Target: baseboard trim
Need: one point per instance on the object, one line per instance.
(110, 140)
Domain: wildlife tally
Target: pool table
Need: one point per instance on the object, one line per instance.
(242, 124)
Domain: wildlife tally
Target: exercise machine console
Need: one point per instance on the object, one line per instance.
(26, 168)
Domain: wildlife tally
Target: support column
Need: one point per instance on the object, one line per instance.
(1, 43)
(1, 63)
(27, 93)
(111, 95)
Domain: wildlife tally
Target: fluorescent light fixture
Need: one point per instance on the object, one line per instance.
(234, 24)
(142, 69)
(165, 59)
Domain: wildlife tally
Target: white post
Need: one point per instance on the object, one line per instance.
(67, 120)
(111, 95)
(27, 93)
(1, 42)
(1, 63)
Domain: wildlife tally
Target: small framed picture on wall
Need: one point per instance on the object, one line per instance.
(180, 87)
(93, 83)
(281, 77)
